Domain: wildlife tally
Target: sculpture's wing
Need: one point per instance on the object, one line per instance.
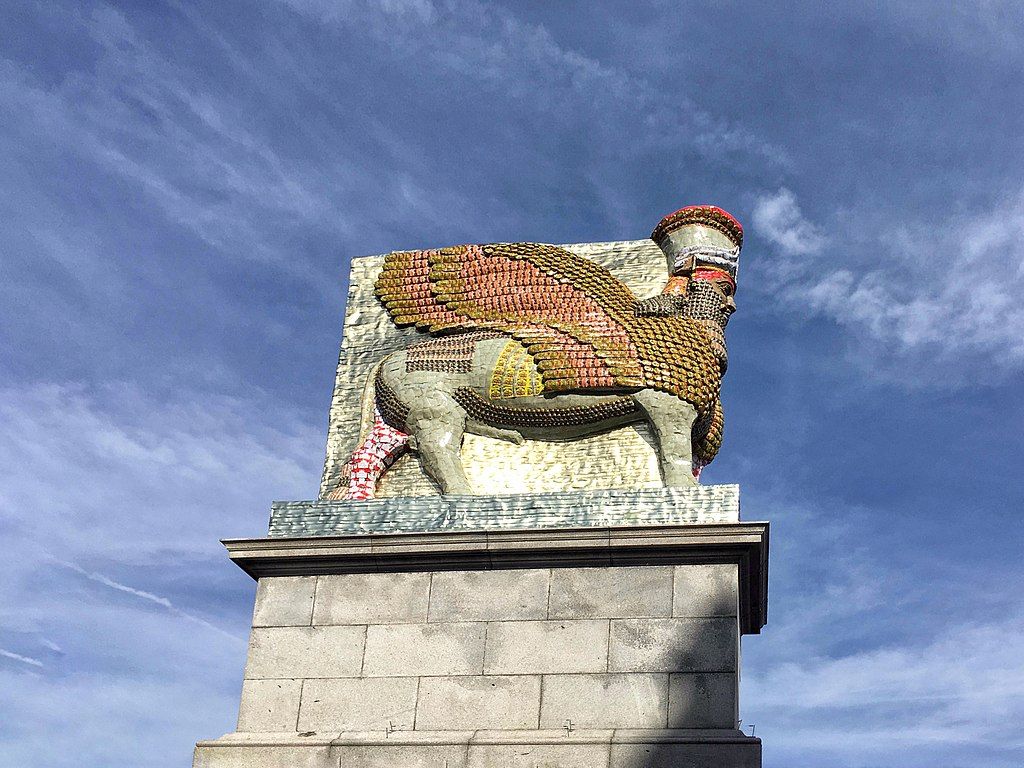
(572, 314)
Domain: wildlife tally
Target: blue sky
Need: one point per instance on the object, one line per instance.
(182, 186)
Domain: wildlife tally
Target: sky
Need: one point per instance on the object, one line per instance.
(183, 184)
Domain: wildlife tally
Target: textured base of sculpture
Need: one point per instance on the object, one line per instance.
(464, 648)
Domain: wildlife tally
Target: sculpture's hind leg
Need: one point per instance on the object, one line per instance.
(367, 463)
(437, 424)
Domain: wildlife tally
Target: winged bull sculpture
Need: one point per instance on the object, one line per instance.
(531, 341)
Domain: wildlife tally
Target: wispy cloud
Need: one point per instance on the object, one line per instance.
(493, 46)
(956, 691)
(90, 462)
(23, 659)
(143, 633)
(161, 601)
(778, 218)
(950, 291)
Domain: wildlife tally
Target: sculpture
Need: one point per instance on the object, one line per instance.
(530, 341)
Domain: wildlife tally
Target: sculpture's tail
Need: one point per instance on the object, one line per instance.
(367, 463)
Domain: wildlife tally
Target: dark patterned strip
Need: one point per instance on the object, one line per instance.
(446, 354)
(392, 410)
(706, 434)
(489, 413)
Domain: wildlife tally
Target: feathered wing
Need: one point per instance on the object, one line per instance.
(570, 313)
(578, 321)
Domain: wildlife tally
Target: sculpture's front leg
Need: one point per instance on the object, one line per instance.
(671, 419)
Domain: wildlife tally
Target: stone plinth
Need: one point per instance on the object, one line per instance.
(465, 648)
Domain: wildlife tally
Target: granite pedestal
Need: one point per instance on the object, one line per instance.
(470, 644)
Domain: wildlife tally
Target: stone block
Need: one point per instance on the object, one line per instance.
(702, 700)
(537, 647)
(412, 650)
(257, 756)
(673, 645)
(269, 705)
(297, 652)
(284, 601)
(372, 598)
(605, 701)
(537, 755)
(401, 756)
(358, 704)
(501, 595)
(615, 592)
(473, 703)
(706, 590)
(694, 755)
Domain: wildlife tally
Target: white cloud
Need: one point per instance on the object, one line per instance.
(951, 292)
(864, 663)
(777, 218)
(959, 690)
(87, 471)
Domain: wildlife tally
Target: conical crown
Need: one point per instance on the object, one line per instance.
(693, 236)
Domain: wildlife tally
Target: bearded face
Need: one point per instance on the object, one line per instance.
(705, 295)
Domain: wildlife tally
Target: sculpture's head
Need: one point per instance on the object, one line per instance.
(702, 244)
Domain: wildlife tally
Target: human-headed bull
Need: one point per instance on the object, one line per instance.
(530, 341)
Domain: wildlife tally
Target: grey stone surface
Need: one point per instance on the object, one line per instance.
(605, 701)
(703, 700)
(283, 601)
(269, 705)
(372, 598)
(706, 590)
(494, 691)
(489, 595)
(404, 756)
(673, 645)
(622, 748)
(615, 592)
(257, 756)
(473, 703)
(743, 543)
(410, 650)
(534, 755)
(575, 509)
(736, 755)
(534, 647)
(295, 652)
(358, 704)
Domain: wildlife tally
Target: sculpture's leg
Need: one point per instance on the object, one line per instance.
(672, 421)
(437, 424)
(367, 463)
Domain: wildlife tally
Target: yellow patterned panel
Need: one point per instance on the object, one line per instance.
(515, 374)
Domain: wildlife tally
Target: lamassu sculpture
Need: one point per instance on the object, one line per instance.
(530, 341)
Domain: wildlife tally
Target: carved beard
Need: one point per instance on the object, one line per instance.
(702, 302)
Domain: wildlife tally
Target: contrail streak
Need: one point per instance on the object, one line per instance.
(22, 659)
(161, 601)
